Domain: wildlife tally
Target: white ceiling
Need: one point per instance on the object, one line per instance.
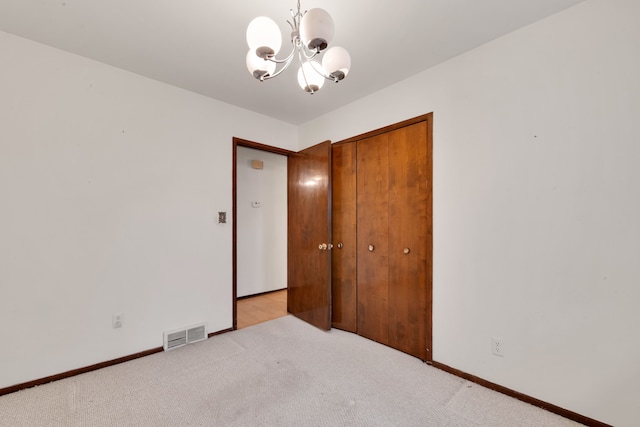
(200, 45)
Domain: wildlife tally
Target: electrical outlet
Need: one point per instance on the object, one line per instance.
(116, 320)
(497, 347)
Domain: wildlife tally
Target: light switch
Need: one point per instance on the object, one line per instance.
(222, 217)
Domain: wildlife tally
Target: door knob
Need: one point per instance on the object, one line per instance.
(322, 246)
(406, 250)
(330, 246)
(340, 245)
(372, 248)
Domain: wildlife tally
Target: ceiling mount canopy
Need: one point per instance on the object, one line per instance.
(311, 34)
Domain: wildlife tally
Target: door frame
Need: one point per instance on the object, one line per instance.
(239, 142)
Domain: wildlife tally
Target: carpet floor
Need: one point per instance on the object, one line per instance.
(279, 373)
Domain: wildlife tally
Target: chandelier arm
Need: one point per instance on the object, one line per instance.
(286, 63)
(304, 75)
(282, 61)
(310, 56)
(295, 42)
(288, 60)
(322, 73)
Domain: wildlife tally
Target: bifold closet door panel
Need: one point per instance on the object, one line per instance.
(408, 239)
(343, 264)
(372, 238)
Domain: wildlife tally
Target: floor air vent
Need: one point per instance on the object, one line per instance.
(196, 333)
(179, 337)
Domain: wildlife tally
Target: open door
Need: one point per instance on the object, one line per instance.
(309, 247)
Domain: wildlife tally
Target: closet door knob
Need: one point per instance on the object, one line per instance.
(372, 248)
(406, 250)
(340, 245)
(322, 246)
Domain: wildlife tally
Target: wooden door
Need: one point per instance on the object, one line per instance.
(343, 257)
(373, 238)
(409, 179)
(309, 263)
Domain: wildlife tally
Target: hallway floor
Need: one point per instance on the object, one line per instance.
(261, 308)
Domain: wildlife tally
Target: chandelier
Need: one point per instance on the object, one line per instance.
(311, 33)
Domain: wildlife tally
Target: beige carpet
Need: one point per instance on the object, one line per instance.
(280, 373)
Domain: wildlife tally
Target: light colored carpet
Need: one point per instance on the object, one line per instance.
(280, 373)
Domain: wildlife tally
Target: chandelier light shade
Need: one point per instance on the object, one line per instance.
(258, 67)
(263, 37)
(311, 34)
(316, 29)
(337, 62)
(310, 76)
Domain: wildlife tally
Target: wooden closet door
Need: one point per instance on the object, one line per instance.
(343, 260)
(409, 180)
(372, 238)
(394, 214)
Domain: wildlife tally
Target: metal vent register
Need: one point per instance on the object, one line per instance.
(179, 337)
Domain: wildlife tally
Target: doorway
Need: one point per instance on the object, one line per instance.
(261, 308)
(259, 190)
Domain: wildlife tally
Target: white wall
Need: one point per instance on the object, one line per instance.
(536, 205)
(261, 232)
(110, 184)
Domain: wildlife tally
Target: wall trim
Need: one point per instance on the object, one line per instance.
(224, 331)
(259, 294)
(423, 118)
(522, 397)
(74, 372)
